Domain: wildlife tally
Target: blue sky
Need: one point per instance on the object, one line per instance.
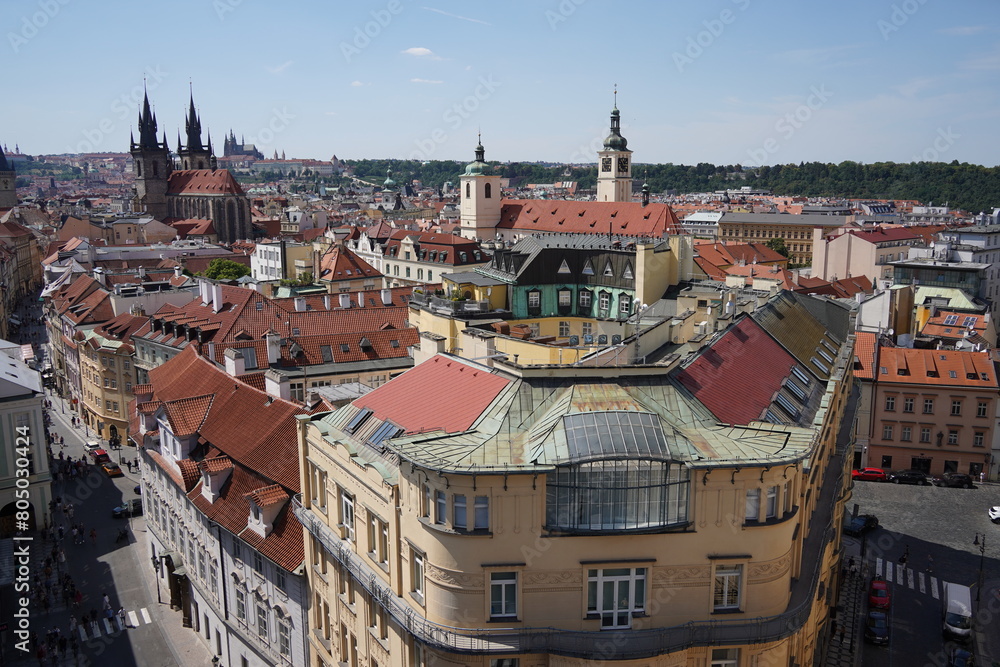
(720, 81)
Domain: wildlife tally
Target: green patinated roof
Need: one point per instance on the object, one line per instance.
(538, 423)
(957, 298)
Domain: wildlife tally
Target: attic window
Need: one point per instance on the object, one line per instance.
(969, 322)
(259, 305)
(364, 343)
(627, 275)
(357, 420)
(564, 267)
(327, 353)
(985, 376)
(951, 320)
(394, 343)
(296, 331)
(952, 374)
(588, 269)
(344, 347)
(608, 271)
(386, 431)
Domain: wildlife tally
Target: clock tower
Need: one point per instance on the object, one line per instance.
(480, 198)
(8, 189)
(614, 165)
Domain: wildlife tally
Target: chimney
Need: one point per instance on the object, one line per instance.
(211, 351)
(235, 364)
(100, 277)
(326, 301)
(178, 271)
(205, 287)
(273, 348)
(361, 299)
(216, 298)
(276, 384)
(300, 304)
(142, 272)
(386, 297)
(345, 300)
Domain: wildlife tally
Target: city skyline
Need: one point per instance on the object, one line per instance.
(727, 82)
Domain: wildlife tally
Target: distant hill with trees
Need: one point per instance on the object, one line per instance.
(966, 186)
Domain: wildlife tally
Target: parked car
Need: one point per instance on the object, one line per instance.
(137, 489)
(99, 455)
(956, 479)
(128, 508)
(111, 469)
(877, 627)
(995, 514)
(960, 657)
(860, 525)
(908, 477)
(91, 445)
(878, 594)
(869, 475)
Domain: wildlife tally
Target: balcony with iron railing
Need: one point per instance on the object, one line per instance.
(608, 644)
(464, 307)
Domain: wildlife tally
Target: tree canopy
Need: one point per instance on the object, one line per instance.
(226, 269)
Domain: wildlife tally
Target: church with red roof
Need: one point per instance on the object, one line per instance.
(198, 198)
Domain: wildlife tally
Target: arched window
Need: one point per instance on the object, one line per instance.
(468, 190)
(138, 168)
(489, 190)
(420, 274)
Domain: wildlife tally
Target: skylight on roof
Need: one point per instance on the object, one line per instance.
(818, 364)
(970, 321)
(787, 406)
(951, 320)
(800, 376)
(357, 420)
(386, 431)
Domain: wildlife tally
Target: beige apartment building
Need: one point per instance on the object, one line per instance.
(107, 375)
(796, 230)
(931, 410)
(861, 253)
(560, 515)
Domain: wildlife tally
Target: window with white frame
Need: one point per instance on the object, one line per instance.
(565, 298)
(262, 622)
(772, 502)
(563, 329)
(587, 328)
(615, 594)
(981, 409)
(728, 579)
(213, 576)
(284, 637)
(534, 299)
(459, 519)
(241, 604)
(752, 512)
(440, 508)
(347, 515)
(978, 439)
(425, 510)
(482, 513)
(585, 298)
(503, 595)
(258, 562)
(417, 572)
(725, 657)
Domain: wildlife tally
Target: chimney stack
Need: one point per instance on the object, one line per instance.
(273, 348)
(276, 384)
(326, 301)
(386, 297)
(235, 364)
(300, 304)
(361, 299)
(216, 297)
(345, 300)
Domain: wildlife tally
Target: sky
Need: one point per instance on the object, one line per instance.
(721, 81)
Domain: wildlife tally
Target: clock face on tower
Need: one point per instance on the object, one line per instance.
(623, 165)
(605, 164)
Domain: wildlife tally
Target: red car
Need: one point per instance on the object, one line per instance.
(878, 594)
(869, 475)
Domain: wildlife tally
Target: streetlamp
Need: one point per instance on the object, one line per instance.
(982, 557)
(156, 569)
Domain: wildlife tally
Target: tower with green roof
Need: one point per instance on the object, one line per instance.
(480, 196)
(614, 163)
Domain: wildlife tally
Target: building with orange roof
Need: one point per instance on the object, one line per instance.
(861, 253)
(218, 470)
(951, 328)
(932, 410)
(419, 258)
(107, 376)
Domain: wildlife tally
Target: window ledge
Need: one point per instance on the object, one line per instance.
(727, 611)
(418, 598)
(503, 619)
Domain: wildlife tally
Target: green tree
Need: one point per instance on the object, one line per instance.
(778, 246)
(226, 269)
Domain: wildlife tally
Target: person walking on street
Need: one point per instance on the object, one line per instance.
(107, 601)
(121, 617)
(93, 536)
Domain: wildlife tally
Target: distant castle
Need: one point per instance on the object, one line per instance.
(231, 148)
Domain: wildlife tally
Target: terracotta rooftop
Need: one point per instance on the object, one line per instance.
(955, 368)
(626, 218)
(343, 264)
(215, 464)
(269, 495)
(465, 389)
(202, 182)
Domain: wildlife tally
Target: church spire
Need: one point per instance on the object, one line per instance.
(4, 165)
(193, 127)
(147, 124)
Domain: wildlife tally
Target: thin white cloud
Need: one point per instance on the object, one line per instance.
(456, 16)
(914, 86)
(963, 30)
(426, 81)
(984, 61)
(356, 84)
(418, 51)
(330, 113)
(815, 56)
(280, 68)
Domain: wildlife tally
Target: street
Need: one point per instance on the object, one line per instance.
(937, 528)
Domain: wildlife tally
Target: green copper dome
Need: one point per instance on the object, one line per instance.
(388, 182)
(615, 140)
(478, 166)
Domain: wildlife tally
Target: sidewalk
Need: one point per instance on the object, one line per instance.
(846, 653)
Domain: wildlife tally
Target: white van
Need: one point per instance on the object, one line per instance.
(957, 611)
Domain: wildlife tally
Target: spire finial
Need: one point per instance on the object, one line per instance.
(616, 95)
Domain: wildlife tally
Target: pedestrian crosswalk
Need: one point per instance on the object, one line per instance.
(111, 626)
(915, 580)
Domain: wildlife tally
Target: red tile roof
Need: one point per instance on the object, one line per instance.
(955, 368)
(186, 415)
(884, 235)
(343, 264)
(215, 464)
(864, 354)
(268, 495)
(466, 390)
(202, 181)
(936, 326)
(623, 218)
(735, 385)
